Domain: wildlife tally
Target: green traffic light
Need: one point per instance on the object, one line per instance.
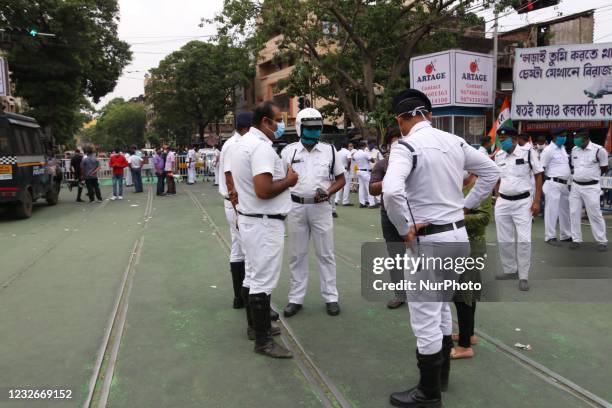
(33, 33)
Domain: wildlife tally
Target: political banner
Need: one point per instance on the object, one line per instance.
(568, 82)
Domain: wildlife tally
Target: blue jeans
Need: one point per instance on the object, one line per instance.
(137, 180)
(117, 185)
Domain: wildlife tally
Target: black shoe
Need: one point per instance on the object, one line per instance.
(507, 276)
(348, 205)
(553, 242)
(427, 393)
(362, 206)
(291, 309)
(523, 285)
(264, 344)
(335, 214)
(80, 201)
(447, 346)
(273, 315)
(395, 303)
(566, 240)
(333, 308)
(274, 331)
(237, 269)
(602, 247)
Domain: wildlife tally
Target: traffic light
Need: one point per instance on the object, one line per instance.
(33, 32)
(525, 6)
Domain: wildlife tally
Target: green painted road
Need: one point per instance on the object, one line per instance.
(183, 345)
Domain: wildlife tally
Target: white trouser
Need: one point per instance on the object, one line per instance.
(236, 254)
(556, 207)
(513, 221)
(589, 197)
(216, 171)
(430, 321)
(364, 187)
(191, 174)
(128, 176)
(306, 221)
(344, 192)
(263, 243)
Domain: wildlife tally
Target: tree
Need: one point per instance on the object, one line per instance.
(54, 74)
(121, 124)
(196, 85)
(352, 53)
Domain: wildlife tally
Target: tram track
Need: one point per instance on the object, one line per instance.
(100, 382)
(327, 391)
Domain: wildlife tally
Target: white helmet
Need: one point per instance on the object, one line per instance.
(308, 117)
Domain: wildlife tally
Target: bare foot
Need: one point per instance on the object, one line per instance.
(473, 339)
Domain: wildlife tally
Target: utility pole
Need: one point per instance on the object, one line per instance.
(495, 52)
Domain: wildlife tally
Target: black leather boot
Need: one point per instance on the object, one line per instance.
(237, 269)
(427, 393)
(264, 343)
(447, 345)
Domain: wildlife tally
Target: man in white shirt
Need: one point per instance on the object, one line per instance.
(423, 197)
(215, 163)
(590, 161)
(363, 161)
(321, 175)
(485, 145)
(344, 193)
(375, 157)
(515, 206)
(191, 165)
(262, 184)
(555, 161)
(135, 162)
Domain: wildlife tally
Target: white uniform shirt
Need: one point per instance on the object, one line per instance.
(225, 162)
(135, 161)
(515, 170)
(345, 157)
(191, 157)
(252, 155)
(314, 167)
(362, 158)
(555, 161)
(483, 150)
(434, 187)
(587, 162)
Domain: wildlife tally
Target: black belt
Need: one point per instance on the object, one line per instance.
(271, 216)
(436, 229)
(514, 197)
(364, 170)
(303, 200)
(227, 198)
(557, 179)
(586, 183)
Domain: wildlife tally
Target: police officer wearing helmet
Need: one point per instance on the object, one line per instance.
(515, 205)
(424, 200)
(321, 175)
(555, 161)
(589, 161)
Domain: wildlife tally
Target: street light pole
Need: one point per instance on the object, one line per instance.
(495, 52)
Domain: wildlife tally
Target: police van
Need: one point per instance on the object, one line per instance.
(25, 174)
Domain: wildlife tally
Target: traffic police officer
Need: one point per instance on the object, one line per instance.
(363, 161)
(344, 193)
(590, 161)
(262, 185)
(555, 161)
(321, 175)
(423, 197)
(515, 205)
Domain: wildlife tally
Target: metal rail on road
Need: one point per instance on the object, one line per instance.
(328, 392)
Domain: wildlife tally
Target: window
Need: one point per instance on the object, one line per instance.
(5, 146)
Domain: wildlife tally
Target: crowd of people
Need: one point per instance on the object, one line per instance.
(430, 186)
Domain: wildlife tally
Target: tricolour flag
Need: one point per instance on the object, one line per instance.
(502, 118)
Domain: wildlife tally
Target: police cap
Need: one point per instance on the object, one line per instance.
(505, 129)
(411, 101)
(558, 131)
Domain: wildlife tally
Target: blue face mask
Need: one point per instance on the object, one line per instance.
(280, 130)
(560, 140)
(578, 141)
(506, 144)
(310, 136)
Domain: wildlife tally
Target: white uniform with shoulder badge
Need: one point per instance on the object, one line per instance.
(225, 162)
(362, 159)
(586, 191)
(513, 217)
(317, 168)
(344, 194)
(555, 161)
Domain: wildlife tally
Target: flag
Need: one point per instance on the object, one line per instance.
(503, 118)
(609, 138)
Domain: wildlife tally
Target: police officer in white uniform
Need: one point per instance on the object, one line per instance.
(262, 184)
(230, 200)
(515, 205)
(423, 198)
(555, 161)
(344, 193)
(321, 175)
(191, 165)
(589, 161)
(363, 160)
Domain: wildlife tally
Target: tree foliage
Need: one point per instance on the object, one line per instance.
(196, 86)
(353, 53)
(120, 124)
(55, 74)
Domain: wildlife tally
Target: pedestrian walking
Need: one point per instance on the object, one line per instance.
(169, 165)
(515, 206)
(75, 168)
(117, 163)
(321, 175)
(136, 170)
(431, 213)
(89, 172)
(191, 165)
(590, 162)
(262, 184)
